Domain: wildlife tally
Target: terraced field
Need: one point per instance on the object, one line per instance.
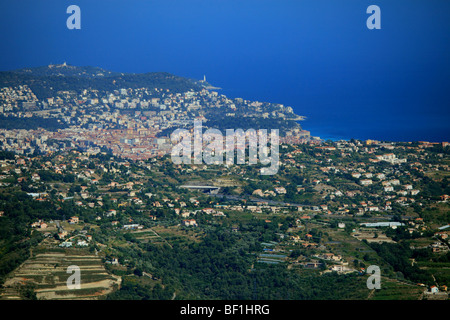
(166, 235)
(395, 290)
(46, 271)
(147, 235)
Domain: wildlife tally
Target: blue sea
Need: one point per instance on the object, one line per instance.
(385, 121)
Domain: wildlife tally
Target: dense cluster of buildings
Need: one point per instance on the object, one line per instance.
(131, 123)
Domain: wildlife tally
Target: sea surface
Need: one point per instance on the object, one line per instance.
(385, 121)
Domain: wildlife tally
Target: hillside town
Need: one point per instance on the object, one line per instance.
(130, 123)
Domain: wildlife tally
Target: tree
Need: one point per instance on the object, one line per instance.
(138, 272)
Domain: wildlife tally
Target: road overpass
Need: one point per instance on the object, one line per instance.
(206, 189)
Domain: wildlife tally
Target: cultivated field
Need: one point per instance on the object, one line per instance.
(46, 272)
(372, 236)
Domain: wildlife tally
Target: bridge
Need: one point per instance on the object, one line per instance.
(206, 189)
